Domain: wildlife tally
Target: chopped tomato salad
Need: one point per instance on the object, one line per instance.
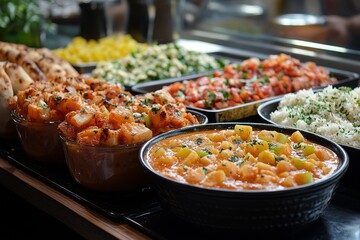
(249, 81)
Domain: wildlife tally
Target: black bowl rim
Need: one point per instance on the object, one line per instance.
(260, 112)
(328, 180)
(89, 146)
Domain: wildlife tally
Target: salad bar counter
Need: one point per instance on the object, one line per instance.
(232, 92)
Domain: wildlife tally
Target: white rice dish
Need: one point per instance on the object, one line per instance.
(333, 113)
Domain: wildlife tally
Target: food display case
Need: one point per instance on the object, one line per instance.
(231, 30)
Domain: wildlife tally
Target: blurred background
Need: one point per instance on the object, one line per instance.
(53, 23)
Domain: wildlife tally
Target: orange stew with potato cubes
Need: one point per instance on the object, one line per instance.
(242, 159)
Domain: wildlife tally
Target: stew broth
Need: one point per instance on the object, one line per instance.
(242, 158)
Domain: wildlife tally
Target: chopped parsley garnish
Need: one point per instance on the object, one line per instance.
(212, 95)
(238, 141)
(234, 158)
(155, 110)
(298, 145)
(57, 99)
(205, 170)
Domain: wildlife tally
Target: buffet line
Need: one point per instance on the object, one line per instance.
(125, 120)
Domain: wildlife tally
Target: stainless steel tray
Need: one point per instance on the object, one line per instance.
(241, 111)
(84, 67)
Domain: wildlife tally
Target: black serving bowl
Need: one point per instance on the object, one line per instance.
(245, 210)
(352, 176)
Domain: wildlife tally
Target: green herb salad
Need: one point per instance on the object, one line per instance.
(155, 63)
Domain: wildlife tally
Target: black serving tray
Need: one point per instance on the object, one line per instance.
(141, 208)
(113, 205)
(339, 221)
(346, 78)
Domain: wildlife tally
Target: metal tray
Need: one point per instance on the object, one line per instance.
(87, 68)
(352, 176)
(241, 111)
(83, 68)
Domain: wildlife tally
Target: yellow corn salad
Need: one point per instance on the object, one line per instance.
(80, 50)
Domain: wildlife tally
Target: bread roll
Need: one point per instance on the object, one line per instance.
(18, 77)
(11, 53)
(6, 90)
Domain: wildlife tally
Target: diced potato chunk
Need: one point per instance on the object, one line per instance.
(309, 166)
(135, 132)
(218, 137)
(256, 147)
(248, 172)
(297, 137)
(285, 149)
(309, 149)
(313, 156)
(284, 166)
(303, 178)
(267, 135)
(298, 163)
(191, 158)
(120, 115)
(244, 131)
(215, 178)
(230, 169)
(110, 137)
(38, 112)
(322, 154)
(204, 161)
(81, 119)
(160, 152)
(167, 160)
(282, 138)
(183, 153)
(226, 145)
(89, 136)
(195, 175)
(267, 157)
(226, 154)
(264, 166)
(288, 182)
(201, 153)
